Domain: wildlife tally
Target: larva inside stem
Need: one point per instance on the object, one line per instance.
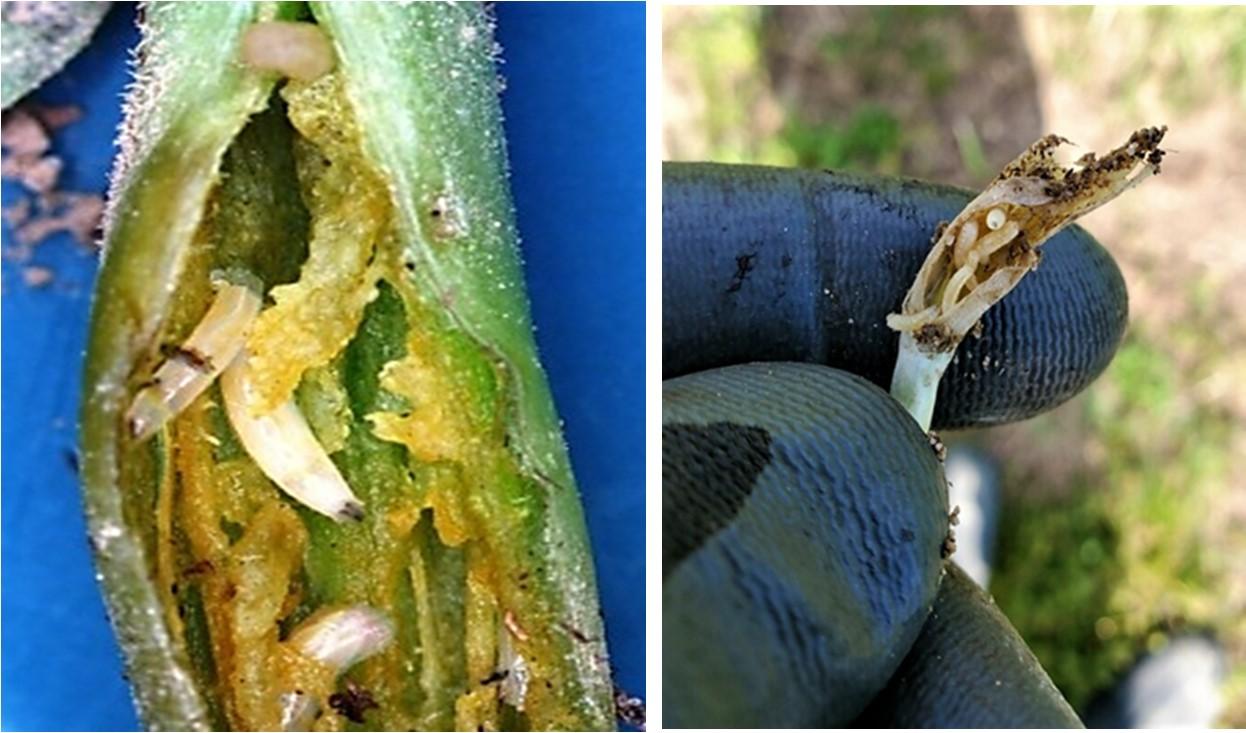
(338, 639)
(910, 321)
(298, 50)
(994, 241)
(192, 368)
(1041, 198)
(344, 637)
(995, 219)
(282, 444)
(964, 242)
(955, 285)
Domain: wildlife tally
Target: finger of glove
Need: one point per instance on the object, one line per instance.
(776, 264)
(969, 669)
(803, 516)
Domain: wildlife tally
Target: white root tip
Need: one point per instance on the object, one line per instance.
(284, 447)
(338, 639)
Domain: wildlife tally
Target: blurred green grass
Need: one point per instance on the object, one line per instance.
(1118, 528)
(1109, 564)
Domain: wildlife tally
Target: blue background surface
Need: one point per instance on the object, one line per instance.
(574, 107)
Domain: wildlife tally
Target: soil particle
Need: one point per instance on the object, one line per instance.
(22, 134)
(949, 540)
(743, 266)
(37, 277)
(934, 337)
(352, 702)
(949, 544)
(27, 160)
(629, 709)
(76, 213)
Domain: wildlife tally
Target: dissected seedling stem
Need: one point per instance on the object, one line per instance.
(984, 252)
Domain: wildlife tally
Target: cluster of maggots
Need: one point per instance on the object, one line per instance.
(279, 440)
(985, 251)
(282, 444)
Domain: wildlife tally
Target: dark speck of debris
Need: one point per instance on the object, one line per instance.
(934, 338)
(576, 634)
(199, 568)
(949, 541)
(628, 709)
(194, 358)
(497, 676)
(352, 702)
(743, 266)
(949, 544)
(351, 510)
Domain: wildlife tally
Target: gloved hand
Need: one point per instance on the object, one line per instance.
(805, 517)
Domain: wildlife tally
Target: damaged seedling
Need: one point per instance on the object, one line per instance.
(984, 252)
(368, 344)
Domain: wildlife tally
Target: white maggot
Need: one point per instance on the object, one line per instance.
(994, 241)
(298, 50)
(965, 240)
(213, 344)
(342, 638)
(995, 219)
(282, 444)
(338, 639)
